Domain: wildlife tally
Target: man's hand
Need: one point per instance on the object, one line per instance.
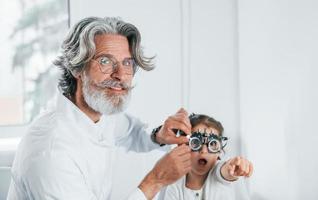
(236, 167)
(167, 170)
(178, 121)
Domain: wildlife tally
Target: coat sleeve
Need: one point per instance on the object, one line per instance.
(136, 136)
(55, 177)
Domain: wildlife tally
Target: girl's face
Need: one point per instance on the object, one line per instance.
(202, 161)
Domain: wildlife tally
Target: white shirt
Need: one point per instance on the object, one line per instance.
(195, 194)
(214, 188)
(66, 156)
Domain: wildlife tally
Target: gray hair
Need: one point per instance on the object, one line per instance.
(79, 48)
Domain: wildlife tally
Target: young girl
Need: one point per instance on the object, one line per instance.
(209, 178)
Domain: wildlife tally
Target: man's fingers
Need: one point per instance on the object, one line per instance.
(182, 116)
(179, 124)
(182, 110)
(180, 150)
(182, 154)
(187, 163)
(187, 169)
(179, 121)
(185, 159)
(181, 140)
(185, 156)
(177, 140)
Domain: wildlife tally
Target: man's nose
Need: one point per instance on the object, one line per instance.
(118, 72)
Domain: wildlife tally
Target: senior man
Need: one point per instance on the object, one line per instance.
(68, 151)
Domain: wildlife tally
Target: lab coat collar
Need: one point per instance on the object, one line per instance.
(101, 132)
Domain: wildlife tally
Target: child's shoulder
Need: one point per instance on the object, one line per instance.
(175, 190)
(178, 185)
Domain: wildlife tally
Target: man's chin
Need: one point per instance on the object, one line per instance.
(107, 104)
(109, 100)
(117, 102)
(115, 108)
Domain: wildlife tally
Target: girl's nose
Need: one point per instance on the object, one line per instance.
(204, 149)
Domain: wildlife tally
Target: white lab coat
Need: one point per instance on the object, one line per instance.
(66, 156)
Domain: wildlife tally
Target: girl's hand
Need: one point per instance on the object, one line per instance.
(236, 167)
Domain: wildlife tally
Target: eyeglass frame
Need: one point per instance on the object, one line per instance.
(114, 63)
(205, 139)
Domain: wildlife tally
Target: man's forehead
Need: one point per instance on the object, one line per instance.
(110, 38)
(112, 43)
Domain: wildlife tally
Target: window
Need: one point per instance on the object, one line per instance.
(31, 34)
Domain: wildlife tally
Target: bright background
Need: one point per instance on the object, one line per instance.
(251, 64)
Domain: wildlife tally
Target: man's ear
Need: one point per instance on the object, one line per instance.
(77, 75)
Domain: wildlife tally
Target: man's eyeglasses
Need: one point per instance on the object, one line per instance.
(108, 64)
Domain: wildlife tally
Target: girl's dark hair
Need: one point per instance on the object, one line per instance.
(196, 119)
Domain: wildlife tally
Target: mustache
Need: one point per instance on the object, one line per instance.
(112, 83)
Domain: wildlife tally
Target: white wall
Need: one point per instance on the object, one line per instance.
(213, 83)
(278, 97)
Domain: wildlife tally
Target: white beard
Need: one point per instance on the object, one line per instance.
(100, 102)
